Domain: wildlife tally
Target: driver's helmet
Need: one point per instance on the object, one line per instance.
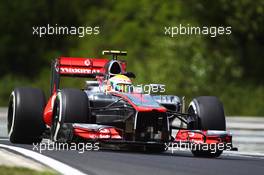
(119, 83)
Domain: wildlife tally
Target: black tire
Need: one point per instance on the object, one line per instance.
(25, 115)
(155, 149)
(71, 106)
(208, 154)
(209, 112)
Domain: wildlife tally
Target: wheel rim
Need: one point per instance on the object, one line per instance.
(11, 115)
(55, 120)
(193, 116)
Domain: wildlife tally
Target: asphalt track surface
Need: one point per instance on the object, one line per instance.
(131, 163)
(104, 162)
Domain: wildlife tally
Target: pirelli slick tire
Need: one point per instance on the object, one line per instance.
(25, 115)
(207, 153)
(71, 106)
(209, 115)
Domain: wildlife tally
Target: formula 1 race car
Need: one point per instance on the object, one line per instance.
(123, 118)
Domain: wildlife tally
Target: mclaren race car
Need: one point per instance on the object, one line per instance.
(122, 116)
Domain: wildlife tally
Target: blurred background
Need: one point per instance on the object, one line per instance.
(227, 66)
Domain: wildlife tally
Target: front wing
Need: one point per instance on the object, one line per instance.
(113, 136)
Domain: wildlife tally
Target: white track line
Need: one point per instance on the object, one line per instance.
(58, 166)
(225, 153)
(244, 154)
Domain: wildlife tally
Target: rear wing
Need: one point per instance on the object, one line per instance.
(83, 67)
(86, 67)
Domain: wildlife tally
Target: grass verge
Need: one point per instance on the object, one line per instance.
(6, 170)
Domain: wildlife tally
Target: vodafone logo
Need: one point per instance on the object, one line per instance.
(87, 62)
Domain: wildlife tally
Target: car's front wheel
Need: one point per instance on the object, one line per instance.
(71, 106)
(209, 115)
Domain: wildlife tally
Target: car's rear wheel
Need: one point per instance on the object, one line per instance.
(71, 106)
(209, 115)
(25, 115)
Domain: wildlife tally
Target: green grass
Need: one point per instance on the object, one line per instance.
(5, 170)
